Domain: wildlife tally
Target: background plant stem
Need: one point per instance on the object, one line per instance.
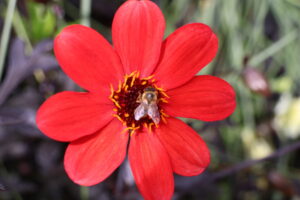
(274, 48)
(6, 33)
(85, 12)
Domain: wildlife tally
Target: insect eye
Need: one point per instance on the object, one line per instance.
(149, 89)
(150, 95)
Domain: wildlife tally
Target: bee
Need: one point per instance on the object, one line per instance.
(148, 105)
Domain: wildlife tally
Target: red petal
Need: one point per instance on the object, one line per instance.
(188, 153)
(206, 98)
(67, 116)
(184, 53)
(151, 166)
(137, 32)
(88, 58)
(92, 159)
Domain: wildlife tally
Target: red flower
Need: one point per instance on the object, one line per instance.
(140, 70)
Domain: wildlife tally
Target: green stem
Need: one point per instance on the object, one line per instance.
(6, 32)
(247, 108)
(85, 12)
(274, 48)
(21, 32)
(84, 193)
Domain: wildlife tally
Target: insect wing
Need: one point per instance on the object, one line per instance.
(140, 111)
(153, 113)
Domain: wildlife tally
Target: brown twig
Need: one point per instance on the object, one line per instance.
(249, 163)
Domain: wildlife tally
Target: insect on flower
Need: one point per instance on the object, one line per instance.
(135, 90)
(148, 105)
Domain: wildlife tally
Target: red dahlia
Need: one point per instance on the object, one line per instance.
(135, 89)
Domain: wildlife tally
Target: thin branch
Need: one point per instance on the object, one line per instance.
(249, 163)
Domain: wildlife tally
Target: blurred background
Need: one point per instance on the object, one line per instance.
(255, 152)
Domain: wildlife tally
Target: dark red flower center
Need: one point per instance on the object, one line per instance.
(129, 96)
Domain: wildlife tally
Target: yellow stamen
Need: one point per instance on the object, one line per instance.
(118, 117)
(144, 82)
(163, 119)
(163, 92)
(146, 125)
(126, 129)
(132, 132)
(111, 90)
(126, 115)
(114, 109)
(132, 80)
(148, 78)
(132, 73)
(164, 114)
(163, 100)
(132, 129)
(116, 103)
(158, 88)
(119, 87)
(116, 97)
(149, 127)
(125, 80)
(126, 88)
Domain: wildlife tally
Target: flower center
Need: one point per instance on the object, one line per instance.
(138, 102)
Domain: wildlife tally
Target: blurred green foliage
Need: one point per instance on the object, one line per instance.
(264, 35)
(41, 21)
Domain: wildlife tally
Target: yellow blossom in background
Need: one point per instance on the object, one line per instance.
(287, 116)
